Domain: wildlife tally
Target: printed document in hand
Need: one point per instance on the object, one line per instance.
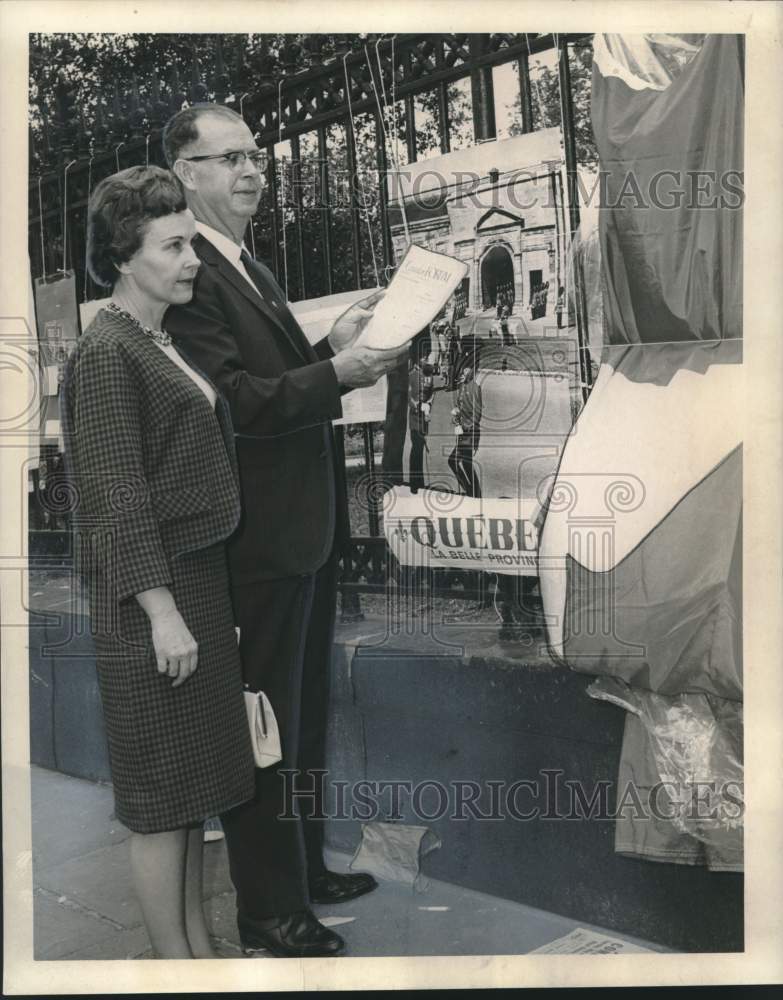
(422, 286)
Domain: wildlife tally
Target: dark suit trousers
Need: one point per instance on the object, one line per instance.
(286, 632)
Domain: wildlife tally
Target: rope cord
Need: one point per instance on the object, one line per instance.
(252, 230)
(41, 223)
(65, 215)
(696, 342)
(253, 241)
(380, 68)
(403, 207)
(282, 184)
(89, 192)
(365, 205)
(381, 110)
(390, 139)
(541, 109)
(390, 129)
(572, 284)
(394, 104)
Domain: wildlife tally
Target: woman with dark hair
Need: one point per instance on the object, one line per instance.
(149, 448)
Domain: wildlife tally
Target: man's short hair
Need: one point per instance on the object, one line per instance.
(120, 208)
(182, 129)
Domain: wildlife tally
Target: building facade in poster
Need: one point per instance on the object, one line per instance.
(498, 208)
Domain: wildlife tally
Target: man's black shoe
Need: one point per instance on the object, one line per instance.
(332, 887)
(297, 935)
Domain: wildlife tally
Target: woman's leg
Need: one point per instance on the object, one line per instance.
(197, 930)
(158, 870)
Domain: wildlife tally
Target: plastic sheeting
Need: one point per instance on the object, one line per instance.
(688, 776)
(645, 62)
(584, 255)
(393, 852)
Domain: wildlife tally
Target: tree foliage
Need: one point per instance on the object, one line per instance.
(545, 94)
(111, 67)
(98, 65)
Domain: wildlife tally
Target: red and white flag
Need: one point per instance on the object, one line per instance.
(640, 559)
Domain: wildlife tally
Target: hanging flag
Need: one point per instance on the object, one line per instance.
(669, 136)
(640, 552)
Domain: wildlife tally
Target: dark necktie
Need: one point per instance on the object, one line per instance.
(268, 295)
(253, 273)
(272, 298)
(256, 274)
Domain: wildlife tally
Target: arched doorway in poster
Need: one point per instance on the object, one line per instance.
(497, 276)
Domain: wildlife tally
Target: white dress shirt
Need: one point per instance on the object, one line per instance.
(228, 249)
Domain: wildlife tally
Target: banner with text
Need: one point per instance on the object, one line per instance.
(446, 531)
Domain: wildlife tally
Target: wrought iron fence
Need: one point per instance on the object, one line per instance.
(316, 104)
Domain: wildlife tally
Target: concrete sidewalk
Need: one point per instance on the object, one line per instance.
(85, 907)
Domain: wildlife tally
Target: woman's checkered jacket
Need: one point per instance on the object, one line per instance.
(148, 477)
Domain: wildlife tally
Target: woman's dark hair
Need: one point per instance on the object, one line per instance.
(118, 213)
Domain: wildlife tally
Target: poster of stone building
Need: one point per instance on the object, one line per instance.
(499, 207)
(493, 381)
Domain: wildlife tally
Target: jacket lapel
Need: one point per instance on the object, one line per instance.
(274, 294)
(222, 413)
(212, 256)
(149, 355)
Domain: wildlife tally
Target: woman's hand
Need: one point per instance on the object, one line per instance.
(176, 651)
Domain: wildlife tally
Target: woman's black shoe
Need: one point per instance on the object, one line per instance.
(297, 935)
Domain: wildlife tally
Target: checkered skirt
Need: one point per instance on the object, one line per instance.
(177, 755)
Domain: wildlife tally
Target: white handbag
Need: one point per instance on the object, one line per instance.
(264, 734)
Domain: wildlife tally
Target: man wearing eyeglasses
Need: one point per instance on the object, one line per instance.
(283, 395)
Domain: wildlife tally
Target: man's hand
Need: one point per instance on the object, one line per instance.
(362, 366)
(346, 328)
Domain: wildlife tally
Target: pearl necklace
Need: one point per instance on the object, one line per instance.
(159, 336)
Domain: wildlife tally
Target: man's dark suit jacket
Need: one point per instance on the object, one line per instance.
(282, 394)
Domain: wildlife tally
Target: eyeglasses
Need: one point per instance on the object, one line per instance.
(235, 158)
